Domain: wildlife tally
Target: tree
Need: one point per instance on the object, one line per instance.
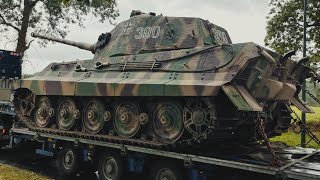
(50, 17)
(285, 26)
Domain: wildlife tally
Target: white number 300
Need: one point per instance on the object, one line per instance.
(147, 32)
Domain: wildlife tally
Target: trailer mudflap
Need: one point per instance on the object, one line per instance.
(241, 98)
(301, 105)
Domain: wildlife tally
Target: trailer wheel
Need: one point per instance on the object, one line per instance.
(165, 170)
(111, 167)
(68, 161)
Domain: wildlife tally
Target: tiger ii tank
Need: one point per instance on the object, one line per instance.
(159, 80)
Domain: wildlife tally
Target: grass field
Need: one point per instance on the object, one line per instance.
(315, 117)
(293, 139)
(14, 173)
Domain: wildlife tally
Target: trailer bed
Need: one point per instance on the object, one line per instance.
(306, 166)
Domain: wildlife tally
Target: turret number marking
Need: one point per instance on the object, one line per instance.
(220, 36)
(148, 32)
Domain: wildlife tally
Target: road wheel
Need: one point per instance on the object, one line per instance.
(43, 112)
(68, 161)
(165, 170)
(167, 122)
(93, 116)
(67, 113)
(126, 119)
(111, 167)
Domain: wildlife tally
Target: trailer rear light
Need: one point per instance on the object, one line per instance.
(14, 54)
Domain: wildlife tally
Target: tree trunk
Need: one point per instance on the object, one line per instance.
(22, 34)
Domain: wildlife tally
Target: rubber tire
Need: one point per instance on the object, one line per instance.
(63, 171)
(120, 163)
(172, 166)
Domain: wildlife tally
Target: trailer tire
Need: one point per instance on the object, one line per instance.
(165, 170)
(68, 161)
(111, 166)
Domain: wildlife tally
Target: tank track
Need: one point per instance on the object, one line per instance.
(27, 121)
(35, 112)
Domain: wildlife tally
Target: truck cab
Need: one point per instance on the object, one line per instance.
(10, 70)
(10, 64)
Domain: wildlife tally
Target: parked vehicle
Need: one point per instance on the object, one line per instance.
(10, 71)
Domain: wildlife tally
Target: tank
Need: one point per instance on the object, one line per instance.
(159, 80)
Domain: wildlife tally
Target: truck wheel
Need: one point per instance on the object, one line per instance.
(68, 161)
(165, 170)
(111, 167)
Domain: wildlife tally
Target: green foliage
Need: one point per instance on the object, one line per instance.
(50, 17)
(285, 26)
(315, 90)
(66, 2)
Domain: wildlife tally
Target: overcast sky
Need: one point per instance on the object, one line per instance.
(245, 21)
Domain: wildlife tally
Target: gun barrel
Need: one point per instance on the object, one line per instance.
(80, 45)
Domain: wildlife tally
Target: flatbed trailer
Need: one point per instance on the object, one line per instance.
(72, 152)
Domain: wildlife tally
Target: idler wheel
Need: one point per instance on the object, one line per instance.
(67, 114)
(43, 112)
(126, 119)
(94, 116)
(198, 116)
(167, 122)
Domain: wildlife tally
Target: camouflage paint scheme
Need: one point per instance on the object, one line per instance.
(160, 56)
